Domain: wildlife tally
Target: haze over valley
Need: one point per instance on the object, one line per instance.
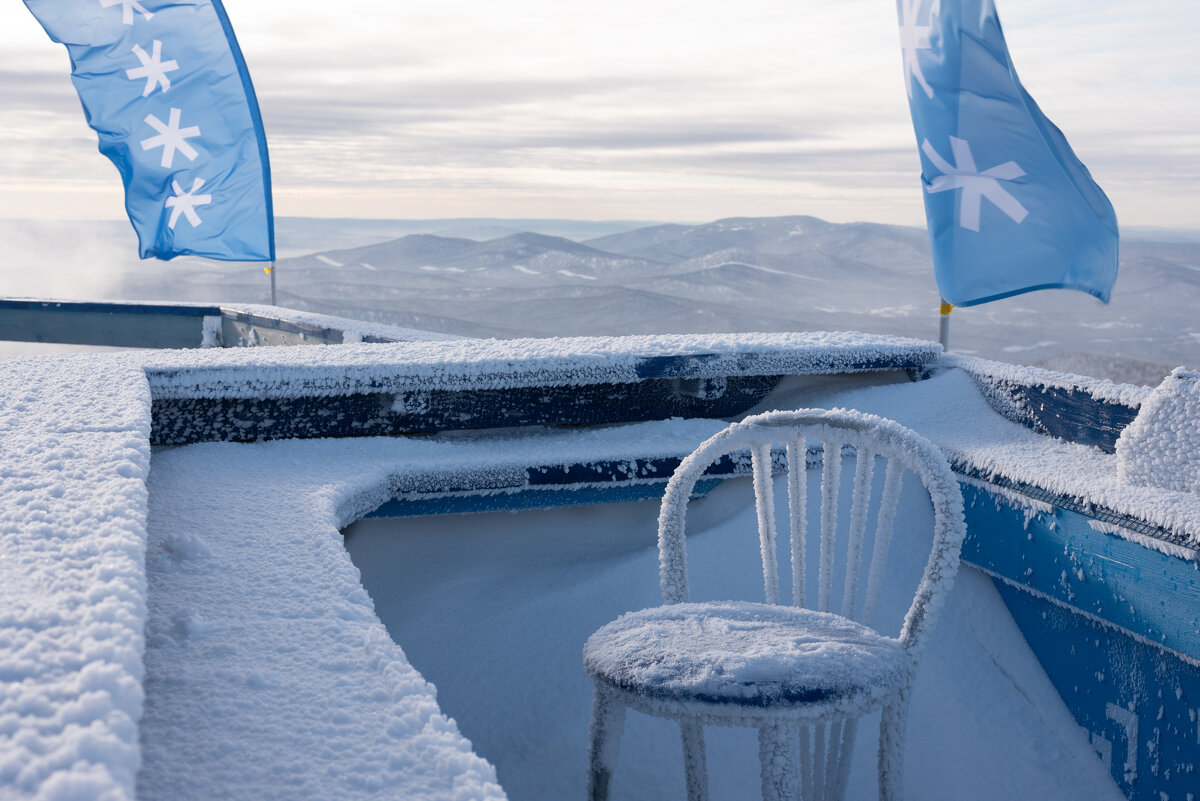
(537, 278)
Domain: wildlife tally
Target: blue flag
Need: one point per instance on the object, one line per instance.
(164, 85)
(1010, 208)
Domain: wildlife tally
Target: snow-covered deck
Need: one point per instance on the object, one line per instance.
(265, 671)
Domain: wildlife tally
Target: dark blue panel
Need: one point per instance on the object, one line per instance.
(606, 471)
(832, 362)
(544, 498)
(182, 421)
(1139, 703)
(1073, 415)
(99, 307)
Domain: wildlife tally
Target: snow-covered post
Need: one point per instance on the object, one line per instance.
(943, 321)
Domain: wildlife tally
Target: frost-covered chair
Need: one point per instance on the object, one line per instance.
(801, 676)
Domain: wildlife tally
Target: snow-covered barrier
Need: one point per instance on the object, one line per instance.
(1075, 408)
(247, 395)
(74, 455)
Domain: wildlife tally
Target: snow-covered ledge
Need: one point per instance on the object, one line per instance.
(74, 454)
(75, 604)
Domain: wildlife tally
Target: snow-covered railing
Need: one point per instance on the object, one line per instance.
(252, 394)
(1089, 411)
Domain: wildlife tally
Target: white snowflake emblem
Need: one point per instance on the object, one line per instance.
(153, 68)
(127, 9)
(171, 137)
(913, 37)
(975, 184)
(185, 203)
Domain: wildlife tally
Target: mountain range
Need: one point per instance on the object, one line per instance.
(737, 274)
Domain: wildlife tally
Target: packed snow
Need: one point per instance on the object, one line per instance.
(1158, 449)
(74, 454)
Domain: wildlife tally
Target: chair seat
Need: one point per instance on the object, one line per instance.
(746, 654)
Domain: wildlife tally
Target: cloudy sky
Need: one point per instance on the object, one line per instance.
(646, 109)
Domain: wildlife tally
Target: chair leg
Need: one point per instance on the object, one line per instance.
(845, 755)
(695, 763)
(891, 748)
(808, 787)
(608, 721)
(778, 773)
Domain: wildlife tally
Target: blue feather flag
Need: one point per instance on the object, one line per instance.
(164, 85)
(1010, 208)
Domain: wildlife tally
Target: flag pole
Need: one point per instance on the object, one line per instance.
(943, 319)
(271, 272)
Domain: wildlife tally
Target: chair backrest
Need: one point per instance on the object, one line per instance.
(871, 437)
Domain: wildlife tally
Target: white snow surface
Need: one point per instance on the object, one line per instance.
(74, 453)
(497, 364)
(278, 680)
(268, 674)
(1158, 449)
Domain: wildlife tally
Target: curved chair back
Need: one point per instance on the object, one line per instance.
(872, 438)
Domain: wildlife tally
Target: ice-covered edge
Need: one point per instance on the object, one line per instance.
(1100, 388)
(502, 364)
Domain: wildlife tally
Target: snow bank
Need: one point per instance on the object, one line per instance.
(74, 452)
(1160, 447)
(500, 364)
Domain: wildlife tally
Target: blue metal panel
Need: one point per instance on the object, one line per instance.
(105, 307)
(1071, 414)
(693, 364)
(1116, 626)
(1139, 703)
(1081, 506)
(1059, 555)
(128, 325)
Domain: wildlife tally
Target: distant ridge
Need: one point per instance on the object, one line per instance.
(737, 274)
